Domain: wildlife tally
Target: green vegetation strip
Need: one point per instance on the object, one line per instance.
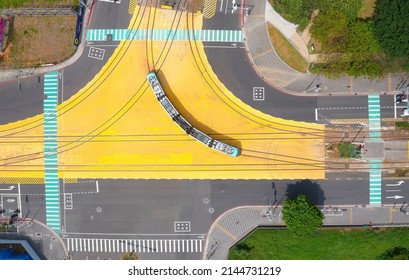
(286, 51)
(346, 150)
(31, 3)
(404, 125)
(330, 244)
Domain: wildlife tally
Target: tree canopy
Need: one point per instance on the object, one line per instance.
(331, 29)
(392, 26)
(351, 45)
(301, 217)
(395, 253)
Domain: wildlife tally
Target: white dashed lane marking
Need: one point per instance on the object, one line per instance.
(352, 108)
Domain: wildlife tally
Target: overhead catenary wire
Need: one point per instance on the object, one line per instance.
(111, 67)
(92, 136)
(128, 105)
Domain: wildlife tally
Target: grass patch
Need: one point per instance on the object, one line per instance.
(39, 40)
(331, 244)
(403, 125)
(286, 51)
(33, 3)
(367, 9)
(346, 150)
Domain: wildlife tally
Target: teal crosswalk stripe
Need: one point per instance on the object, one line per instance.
(374, 115)
(166, 34)
(52, 194)
(375, 182)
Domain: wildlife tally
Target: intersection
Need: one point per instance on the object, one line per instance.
(99, 161)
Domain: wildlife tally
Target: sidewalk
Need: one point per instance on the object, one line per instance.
(270, 66)
(289, 30)
(237, 223)
(46, 242)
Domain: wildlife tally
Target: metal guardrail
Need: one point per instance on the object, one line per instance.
(46, 11)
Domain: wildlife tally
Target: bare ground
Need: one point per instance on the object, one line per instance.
(40, 40)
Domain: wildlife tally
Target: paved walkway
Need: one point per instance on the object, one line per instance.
(46, 243)
(278, 73)
(237, 223)
(288, 29)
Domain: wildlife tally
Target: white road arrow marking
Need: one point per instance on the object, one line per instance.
(395, 185)
(8, 189)
(10, 200)
(395, 197)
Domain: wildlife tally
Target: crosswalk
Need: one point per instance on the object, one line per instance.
(135, 245)
(232, 36)
(374, 115)
(52, 193)
(375, 182)
(375, 172)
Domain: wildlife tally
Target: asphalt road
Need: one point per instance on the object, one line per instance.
(22, 98)
(149, 207)
(239, 76)
(110, 15)
(145, 207)
(120, 211)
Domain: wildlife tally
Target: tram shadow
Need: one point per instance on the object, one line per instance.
(185, 110)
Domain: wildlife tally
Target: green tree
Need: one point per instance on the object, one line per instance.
(362, 38)
(395, 253)
(346, 150)
(349, 8)
(392, 26)
(296, 11)
(330, 28)
(301, 217)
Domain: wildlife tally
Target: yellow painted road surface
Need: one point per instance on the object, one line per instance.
(115, 128)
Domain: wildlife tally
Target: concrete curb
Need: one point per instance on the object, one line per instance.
(55, 235)
(304, 93)
(224, 216)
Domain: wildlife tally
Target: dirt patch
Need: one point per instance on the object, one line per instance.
(40, 40)
(367, 9)
(332, 150)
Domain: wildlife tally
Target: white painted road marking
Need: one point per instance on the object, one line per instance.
(182, 226)
(258, 93)
(68, 201)
(395, 185)
(147, 245)
(8, 189)
(111, 1)
(96, 53)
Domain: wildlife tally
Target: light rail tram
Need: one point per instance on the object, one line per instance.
(184, 124)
